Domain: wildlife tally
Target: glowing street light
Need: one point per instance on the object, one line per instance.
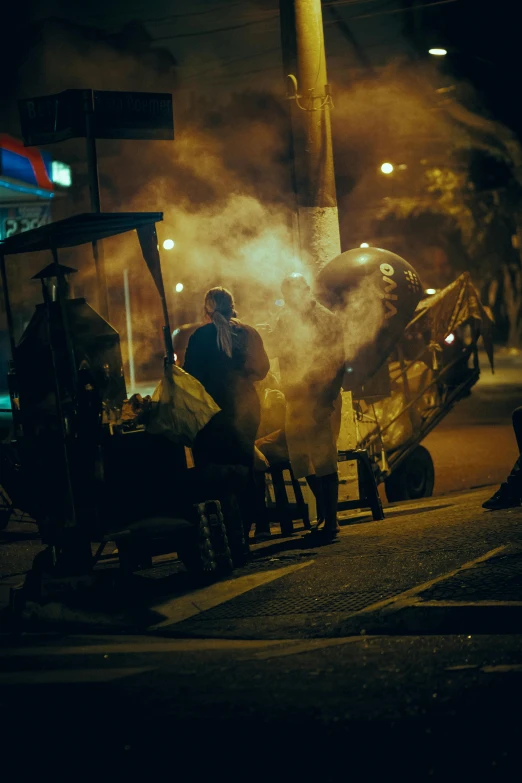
(438, 52)
(179, 288)
(168, 244)
(364, 244)
(387, 168)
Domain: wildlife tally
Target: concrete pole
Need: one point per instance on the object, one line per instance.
(318, 216)
(128, 319)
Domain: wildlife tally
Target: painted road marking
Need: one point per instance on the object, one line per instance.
(178, 609)
(419, 603)
(502, 668)
(402, 600)
(69, 676)
(299, 647)
(161, 646)
(260, 648)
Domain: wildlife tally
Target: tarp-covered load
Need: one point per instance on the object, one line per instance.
(428, 368)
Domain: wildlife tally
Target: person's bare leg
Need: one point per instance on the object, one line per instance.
(316, 486)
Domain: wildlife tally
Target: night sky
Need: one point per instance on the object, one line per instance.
(228, 46)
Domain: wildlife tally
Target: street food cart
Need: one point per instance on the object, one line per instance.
(83, 460)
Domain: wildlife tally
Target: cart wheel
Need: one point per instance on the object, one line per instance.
(413, 479)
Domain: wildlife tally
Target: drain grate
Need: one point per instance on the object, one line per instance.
(499, 579)
(251, 606)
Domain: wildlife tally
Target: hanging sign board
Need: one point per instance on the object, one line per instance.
(117, 115)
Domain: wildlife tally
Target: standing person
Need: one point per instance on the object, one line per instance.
(180, 338)
(228, 357)
(509, 494)
(309, 343)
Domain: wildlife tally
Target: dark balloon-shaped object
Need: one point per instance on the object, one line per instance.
(376, 293)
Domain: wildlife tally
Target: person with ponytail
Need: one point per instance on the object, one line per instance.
(228, 357)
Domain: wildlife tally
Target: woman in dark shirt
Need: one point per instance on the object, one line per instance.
(228, 357)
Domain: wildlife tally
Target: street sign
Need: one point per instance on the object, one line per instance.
(133, 115)
(116, 115)
(52, 118)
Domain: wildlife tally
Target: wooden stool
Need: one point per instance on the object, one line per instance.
(368, 492)
(284, 512)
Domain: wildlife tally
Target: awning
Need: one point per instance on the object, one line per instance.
(25, 173)
(78, 230)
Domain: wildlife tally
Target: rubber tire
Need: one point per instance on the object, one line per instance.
(413, 479)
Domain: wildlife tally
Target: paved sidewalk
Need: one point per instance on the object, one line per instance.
(293, 589)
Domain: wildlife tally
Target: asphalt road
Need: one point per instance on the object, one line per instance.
(474, 445)
(394, 652)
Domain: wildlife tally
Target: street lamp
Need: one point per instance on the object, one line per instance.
(168, 244)
(387, 168)
(438, 52)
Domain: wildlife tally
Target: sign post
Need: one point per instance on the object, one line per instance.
(94, 189)
(96, 114)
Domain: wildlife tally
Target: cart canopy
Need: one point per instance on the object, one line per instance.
(78, 230)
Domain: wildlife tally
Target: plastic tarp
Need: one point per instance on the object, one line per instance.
(181, 407)
(450, 308)
(396, 424)
(436, 317)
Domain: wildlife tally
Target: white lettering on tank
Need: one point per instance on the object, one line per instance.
(387, 270)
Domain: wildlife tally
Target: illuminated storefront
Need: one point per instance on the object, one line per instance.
(29, 181)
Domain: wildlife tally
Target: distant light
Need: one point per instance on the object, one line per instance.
(438, 52)
(61, 174)
(430, 291)
(449, 339)
(168, 244)
(387, 168)
(364, 244)
(179, 287)
(349, 369)
(279, 302)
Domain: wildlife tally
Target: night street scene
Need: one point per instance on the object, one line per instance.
(260, 390)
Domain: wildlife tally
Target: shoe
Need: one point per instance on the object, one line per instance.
(500, 500)
(332, 532)
(324, 535)
(265, 536)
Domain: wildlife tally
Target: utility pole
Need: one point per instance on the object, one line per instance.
(289, 56)
(318, 216)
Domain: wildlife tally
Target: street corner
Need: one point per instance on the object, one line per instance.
(481, 596)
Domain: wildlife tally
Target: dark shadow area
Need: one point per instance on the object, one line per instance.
(392, 513)
(438, 621)
(130, 726)
(8, 536)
